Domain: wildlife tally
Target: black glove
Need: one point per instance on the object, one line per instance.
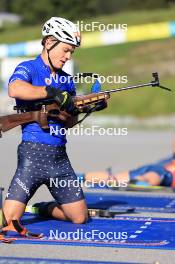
(63, 99)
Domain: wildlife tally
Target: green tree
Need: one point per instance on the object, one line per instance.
(39, 10)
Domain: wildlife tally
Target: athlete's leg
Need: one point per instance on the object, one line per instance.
(116, 179)
(23, 185)
(141, 175)
(76, 212)
(153, 178)
(13, 210)
(123, 176)
(154, 174)
(65, 189)
(97, 177)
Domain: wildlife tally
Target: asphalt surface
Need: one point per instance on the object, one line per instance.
(89, 153)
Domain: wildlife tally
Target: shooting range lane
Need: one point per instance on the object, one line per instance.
(116, 201)
(125, 231)
(52, 261)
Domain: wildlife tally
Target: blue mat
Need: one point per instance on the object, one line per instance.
(117, 201)
(13, 260)
(128, 232)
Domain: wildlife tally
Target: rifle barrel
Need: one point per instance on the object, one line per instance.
(131, 87)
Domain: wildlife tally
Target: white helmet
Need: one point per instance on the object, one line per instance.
(63, 30)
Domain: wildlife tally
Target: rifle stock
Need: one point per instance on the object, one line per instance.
(40, 116)
(11, 121)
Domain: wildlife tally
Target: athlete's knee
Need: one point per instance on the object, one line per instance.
(80, 219)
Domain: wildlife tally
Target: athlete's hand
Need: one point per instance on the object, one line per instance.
(63, 99)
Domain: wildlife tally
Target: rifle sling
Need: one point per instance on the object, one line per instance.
(91, 110)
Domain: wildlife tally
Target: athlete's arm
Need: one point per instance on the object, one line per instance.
(25, 91)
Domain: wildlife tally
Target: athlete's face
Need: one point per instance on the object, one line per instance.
(61, 53)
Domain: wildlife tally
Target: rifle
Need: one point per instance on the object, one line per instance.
(49, 108)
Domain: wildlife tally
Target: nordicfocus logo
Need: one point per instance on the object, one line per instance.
(110, 79)
(80, 234)
(80, 130)
(23, 186)
(97, 26)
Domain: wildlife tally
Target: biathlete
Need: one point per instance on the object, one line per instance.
(161, 173)
(42, 156)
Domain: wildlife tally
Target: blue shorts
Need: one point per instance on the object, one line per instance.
(44, 164)
(166, 177)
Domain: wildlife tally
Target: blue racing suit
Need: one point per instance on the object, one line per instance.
(166, 176)
(42, 157)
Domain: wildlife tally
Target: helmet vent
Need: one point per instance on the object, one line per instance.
(58, 22)
(49, 25)
(58, 34)
(67, 34)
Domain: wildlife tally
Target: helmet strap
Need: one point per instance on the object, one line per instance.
(49, 59)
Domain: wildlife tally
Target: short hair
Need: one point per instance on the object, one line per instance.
(43, 41)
